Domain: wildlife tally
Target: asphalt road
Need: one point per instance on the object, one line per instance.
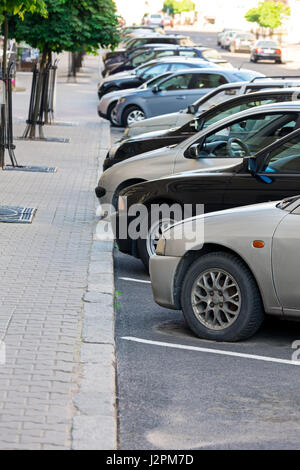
(242, 60)
(212, 397)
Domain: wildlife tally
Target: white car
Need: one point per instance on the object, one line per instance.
(243, 263)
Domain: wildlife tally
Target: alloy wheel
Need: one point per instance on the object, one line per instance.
(216, 299)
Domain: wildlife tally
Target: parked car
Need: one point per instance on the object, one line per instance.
(266, 50)
(168, 21)
(226, 38)
(172, 94)
(143, 73)
(220, 35)
(226, 285)
(155, 19)
(119, 59)
(241, 42)
(150, 39)
(143, 143)
(205, 53)
(239, 160)
(216, 96)
(108, 102)
(140, 56)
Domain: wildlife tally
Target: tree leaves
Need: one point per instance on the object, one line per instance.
(269, 14)
(70, 25)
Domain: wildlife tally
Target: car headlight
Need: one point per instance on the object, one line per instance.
(122, 100)
(161, 247)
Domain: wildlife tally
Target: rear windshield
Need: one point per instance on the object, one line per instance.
(211, 54)
(245, 36)
(245, 76)
(266, 44)
(155, 16)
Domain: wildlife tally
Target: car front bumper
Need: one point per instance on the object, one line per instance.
(162, 272)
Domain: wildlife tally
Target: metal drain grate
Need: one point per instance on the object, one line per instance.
(17, 215)
(32, 169)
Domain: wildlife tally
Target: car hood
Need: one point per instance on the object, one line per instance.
(117, 76)
(115, 95)
(169, 120)
(151, 135)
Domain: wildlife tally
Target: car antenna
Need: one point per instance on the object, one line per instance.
(241, 65)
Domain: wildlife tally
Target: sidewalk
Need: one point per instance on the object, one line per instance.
(58, 384)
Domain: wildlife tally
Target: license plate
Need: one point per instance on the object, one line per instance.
(269, 51)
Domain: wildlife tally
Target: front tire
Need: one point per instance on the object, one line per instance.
(147, 246)
(220, 298)
(111, 114)
(132, 115)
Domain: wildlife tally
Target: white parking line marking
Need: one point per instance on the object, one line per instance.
(134, 280)
(213, 351)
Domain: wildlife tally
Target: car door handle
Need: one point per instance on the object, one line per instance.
(180, 97)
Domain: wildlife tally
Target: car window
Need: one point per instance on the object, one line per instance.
(165, 54)
(285, 159)
(142, 58)
(180, 82)
(236, 108)
(154, 71)
(188, 53)
(209, 80)
(250, 134)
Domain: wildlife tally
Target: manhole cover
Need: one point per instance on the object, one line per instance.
(8, 213)
(16, 215)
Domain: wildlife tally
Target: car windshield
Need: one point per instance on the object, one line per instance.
(246, 76)
(246, 136)
(266, 44)
(154, 81)
(216, 97)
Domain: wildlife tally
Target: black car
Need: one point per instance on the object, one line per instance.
(134, 146)
(262, 173)
(266, 50)
(205, 53)
(136, 42)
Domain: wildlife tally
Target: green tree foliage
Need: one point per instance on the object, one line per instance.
(69, 26)
(17, 8)
(174, 6)
(269, 14)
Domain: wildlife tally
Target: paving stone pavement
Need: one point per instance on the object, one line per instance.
(44, 267)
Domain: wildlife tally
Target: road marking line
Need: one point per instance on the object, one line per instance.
(134, 280)
(213, 351)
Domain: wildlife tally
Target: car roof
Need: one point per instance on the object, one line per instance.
(193, 60)
(264, 81)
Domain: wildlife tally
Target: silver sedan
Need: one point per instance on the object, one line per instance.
(227, 269)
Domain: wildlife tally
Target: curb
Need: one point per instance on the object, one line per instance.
(95, 425)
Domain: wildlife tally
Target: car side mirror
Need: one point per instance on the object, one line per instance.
(194, 151)
(155, 89)
(192, 109)
(249, 165)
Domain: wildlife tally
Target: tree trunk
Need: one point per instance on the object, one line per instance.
(38, 94)
(3, 109)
